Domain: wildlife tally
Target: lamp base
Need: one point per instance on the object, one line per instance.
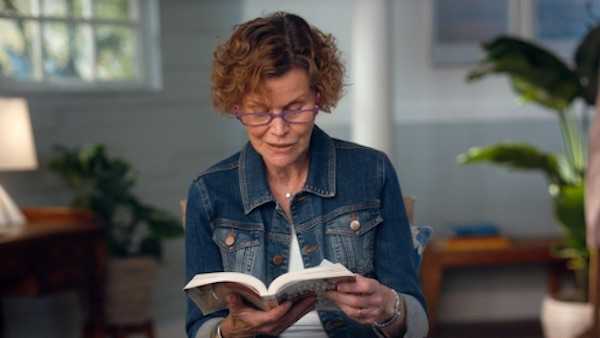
(11, 217)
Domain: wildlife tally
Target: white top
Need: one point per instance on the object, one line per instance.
(310, 325)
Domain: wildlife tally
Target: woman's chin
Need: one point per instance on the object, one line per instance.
(280, 160)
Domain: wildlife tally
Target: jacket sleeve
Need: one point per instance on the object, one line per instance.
(395, 261)
(201, 255)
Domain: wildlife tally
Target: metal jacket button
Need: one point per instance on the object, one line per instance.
(230, 239)
(355, 225)
(278, 260)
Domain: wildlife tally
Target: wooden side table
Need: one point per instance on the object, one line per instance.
(437, 259)
(59, 249)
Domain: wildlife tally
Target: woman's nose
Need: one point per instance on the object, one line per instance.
(279, 126)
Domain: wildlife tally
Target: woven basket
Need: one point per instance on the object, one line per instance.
(129, 290)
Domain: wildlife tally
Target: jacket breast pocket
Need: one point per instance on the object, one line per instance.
(351, 238)
(240, 245)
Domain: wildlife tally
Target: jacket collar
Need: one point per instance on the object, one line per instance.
(254, 187)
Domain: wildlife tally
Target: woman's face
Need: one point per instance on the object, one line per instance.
(282, 144)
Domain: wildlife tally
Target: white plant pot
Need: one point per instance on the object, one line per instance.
(563, 319)
(129, 289)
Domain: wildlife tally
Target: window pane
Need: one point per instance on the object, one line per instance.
(114, 9)
(83, 51)
(63, 8)
(76, 7)
(15, 48)
(561, 19)
(115, 53)
(54, 8)
(68, 51)
(21, 7)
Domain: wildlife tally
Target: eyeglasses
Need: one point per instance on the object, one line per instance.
(292, 116)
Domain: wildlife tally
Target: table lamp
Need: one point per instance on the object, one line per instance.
(17, 152)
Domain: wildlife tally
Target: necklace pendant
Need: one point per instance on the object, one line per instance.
(288, 195)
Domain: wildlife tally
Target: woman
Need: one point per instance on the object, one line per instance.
(293, 196)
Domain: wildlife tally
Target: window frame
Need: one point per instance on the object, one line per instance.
(149, 66)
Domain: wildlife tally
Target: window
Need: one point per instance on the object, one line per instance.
(560, 25)
(459, 26)
(79, 44)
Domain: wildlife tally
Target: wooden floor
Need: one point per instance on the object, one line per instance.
(522, 329)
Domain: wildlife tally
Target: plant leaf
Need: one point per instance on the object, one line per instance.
(163, 225)
(150, 246)
(536, 74)
(587, 61)
(104, 185)
(516, 156)
(569, 210)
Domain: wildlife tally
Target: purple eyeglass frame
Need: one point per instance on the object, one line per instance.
(283, 114)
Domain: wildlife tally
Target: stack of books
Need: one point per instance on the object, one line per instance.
(475, 237)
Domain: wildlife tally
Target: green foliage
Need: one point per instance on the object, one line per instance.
(517, 156)
(536, 74)
(103, 184)
(539, 76)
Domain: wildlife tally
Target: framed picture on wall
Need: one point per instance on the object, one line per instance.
(459, 27)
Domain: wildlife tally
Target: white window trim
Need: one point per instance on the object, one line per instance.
(149, 66)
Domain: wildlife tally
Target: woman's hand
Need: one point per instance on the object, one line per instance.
(365, 300)
(246, 321)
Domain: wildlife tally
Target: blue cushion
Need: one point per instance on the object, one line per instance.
(421, 235)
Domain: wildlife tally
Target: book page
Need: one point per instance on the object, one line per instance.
(209, 290)
(294, 291)
(325, 270)
(212, 297)
(236, 277)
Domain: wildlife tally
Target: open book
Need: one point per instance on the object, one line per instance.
(209, 290)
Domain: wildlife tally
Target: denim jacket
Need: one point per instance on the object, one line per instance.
(347, 184)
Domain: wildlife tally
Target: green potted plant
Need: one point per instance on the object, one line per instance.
(539, 76)
(134, 230)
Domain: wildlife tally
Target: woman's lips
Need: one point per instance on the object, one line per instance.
(280, 147)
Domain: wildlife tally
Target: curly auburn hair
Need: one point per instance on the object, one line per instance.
(268, 47)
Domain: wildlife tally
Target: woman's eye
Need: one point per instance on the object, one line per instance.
(295, 107)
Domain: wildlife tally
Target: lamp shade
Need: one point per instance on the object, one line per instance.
(17, 149)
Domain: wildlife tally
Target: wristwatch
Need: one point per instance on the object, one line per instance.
(398, 313)
(216, 333)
